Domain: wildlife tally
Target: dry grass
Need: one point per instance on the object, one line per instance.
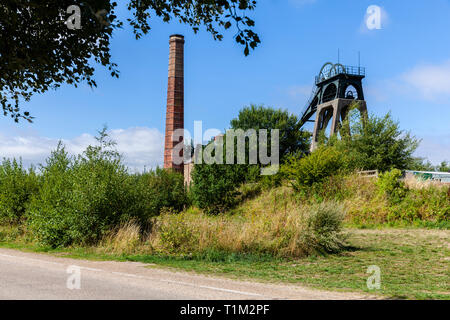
(276, 222)
(126, 239)
(362, 203)
(424, 203)
(414, 183)
(270, 224)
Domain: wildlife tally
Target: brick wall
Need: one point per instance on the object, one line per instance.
(175, 100)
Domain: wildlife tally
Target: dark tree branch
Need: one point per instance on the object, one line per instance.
(38, 52)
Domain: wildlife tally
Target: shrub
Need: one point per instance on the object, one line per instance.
(48, 212)
(428, 205)
(214, 187)
(315, 168)
(390, 185)
(175, 233)
(325, 227)
(388, 201)
(17, 186)
(157, 190)
(82, 199)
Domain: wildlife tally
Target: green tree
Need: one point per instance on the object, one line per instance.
(390, 184)
(17, 186)
(420, 164)
(154, 191)
(215, 187)
(292, 138)
(82, 198)
(378, 143)
(443, 167)
(39, 52)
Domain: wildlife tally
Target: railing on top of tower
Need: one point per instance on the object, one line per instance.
(340, 69)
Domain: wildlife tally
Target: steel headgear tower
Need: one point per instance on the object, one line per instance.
(336, 88)
(175, 102)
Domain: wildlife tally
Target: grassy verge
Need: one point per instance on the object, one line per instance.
(414, 263)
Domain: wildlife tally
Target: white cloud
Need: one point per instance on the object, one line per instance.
(432, 81)
(140, 146)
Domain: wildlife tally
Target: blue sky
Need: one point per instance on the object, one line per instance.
(407, 62)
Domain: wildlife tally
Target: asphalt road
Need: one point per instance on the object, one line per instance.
(25, 275)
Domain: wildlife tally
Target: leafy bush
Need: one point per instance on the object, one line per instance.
(390, 185)
(83, 198)
(80, 199)
(17, 186)
(388, 200)
(315, 168)
(157, 190)
(175, 233)
(325, 227)
(214, 187)
(425, 206)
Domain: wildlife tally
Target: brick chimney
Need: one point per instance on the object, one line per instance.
(175, 100)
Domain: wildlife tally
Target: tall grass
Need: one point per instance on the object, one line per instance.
(124, 239)
(266, 225)
(368, 203)
(273, 224)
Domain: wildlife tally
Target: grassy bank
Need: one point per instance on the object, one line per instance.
(414, 263)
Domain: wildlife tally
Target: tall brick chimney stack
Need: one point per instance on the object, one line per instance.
(175, 100)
